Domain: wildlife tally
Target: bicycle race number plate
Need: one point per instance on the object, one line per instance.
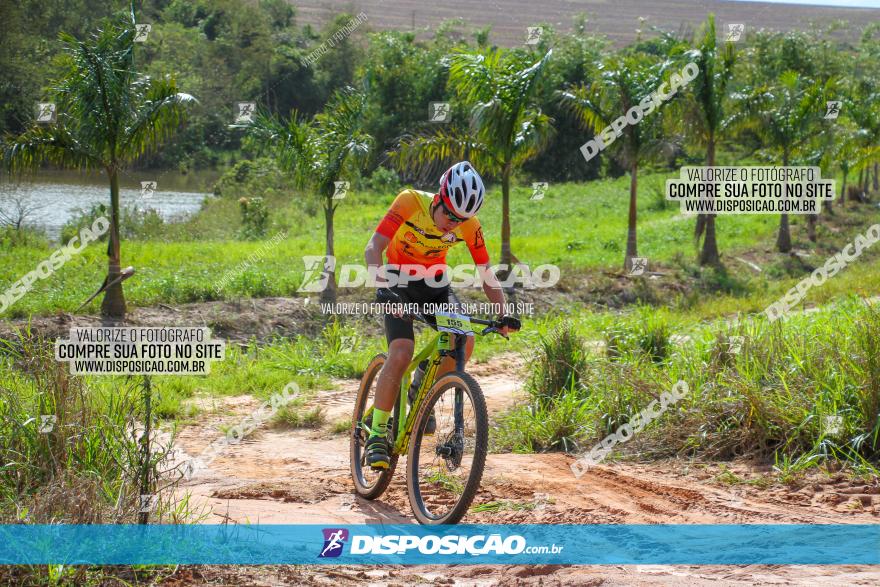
(457, 323)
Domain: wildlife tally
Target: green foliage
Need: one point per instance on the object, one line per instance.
(559, 365)
(290, 416)
(341, 351)
(202, 245)
(382, 181)
(800, 392)
(84, 465)
(25, 236)
(250, 177)
(254, 218)
(82, 218)
(558, 424)
(646, 334)
(134, 223)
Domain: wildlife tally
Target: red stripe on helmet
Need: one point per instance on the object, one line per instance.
(444, 195)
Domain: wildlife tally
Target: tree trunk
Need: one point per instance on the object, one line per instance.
(861, 183)
(783, 239)
(507, 258)
(328, 296)
(632, 249)
(843, 191)
(826, 206)
(113, 304)
(876, 179)
(506, 253)
(709, 254)
(145, 486)
(812, 221)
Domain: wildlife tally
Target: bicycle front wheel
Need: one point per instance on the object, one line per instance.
(444, 469)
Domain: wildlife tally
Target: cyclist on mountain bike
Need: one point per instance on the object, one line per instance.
(418, 229)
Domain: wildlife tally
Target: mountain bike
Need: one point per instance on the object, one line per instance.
(444, 469)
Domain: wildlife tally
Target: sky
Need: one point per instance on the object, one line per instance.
(836, 3)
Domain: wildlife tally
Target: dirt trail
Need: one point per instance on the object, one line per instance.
(302, 476)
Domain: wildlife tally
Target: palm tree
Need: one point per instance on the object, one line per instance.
(625, 81)
(506, 127)
(849, 152)
(107, 115)
(864, 110)
(824, 152)
(706, 119)
(318, 153)
(784, 117)
(845, 153)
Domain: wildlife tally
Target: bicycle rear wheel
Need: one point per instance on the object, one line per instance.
(368, 482)
(444, 470)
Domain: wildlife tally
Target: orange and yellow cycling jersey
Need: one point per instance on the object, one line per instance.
(415, 238)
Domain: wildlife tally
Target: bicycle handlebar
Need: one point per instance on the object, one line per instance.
(386, 295)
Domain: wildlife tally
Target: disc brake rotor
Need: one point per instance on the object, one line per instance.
(452, 450)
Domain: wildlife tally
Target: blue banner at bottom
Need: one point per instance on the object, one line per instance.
(462, 544)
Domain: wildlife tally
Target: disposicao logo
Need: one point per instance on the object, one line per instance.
(334, 540)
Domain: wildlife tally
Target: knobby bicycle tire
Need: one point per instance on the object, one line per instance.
(471, 388)
(356, 448)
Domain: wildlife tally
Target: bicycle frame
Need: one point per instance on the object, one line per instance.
(440, 346)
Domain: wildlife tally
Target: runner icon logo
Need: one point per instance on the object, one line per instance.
(334, 540)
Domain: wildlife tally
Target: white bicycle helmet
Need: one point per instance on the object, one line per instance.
(461, 190)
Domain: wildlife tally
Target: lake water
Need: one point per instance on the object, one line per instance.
(57, 196)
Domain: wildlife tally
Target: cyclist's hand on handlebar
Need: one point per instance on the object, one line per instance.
(509, 324)
(385, 295)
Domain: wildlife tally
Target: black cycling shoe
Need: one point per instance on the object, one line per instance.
(377, 452)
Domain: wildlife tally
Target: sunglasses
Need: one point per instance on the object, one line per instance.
(452, 217)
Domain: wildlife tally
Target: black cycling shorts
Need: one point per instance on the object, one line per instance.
(416, 292)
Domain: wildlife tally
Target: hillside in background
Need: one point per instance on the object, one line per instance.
(617, 19)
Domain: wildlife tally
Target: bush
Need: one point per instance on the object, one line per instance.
(25, 236)
(68, 449)
(134, 224)
(557, 424)
(341, 350)
(254, 218)
(383, 181)
(250, 177)
(290, 416)
(558, 365)
(83, 218)
(717, 279)
(649, 336)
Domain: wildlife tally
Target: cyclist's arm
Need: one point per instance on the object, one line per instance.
(377, 245)
(473, 234)
(373, 253)
(493, 291)
(491, 287)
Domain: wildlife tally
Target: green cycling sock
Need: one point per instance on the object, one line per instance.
(380, 421)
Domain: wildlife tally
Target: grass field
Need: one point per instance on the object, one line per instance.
(580, 227)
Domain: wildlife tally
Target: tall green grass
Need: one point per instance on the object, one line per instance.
(74, 452)
(799, 391)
